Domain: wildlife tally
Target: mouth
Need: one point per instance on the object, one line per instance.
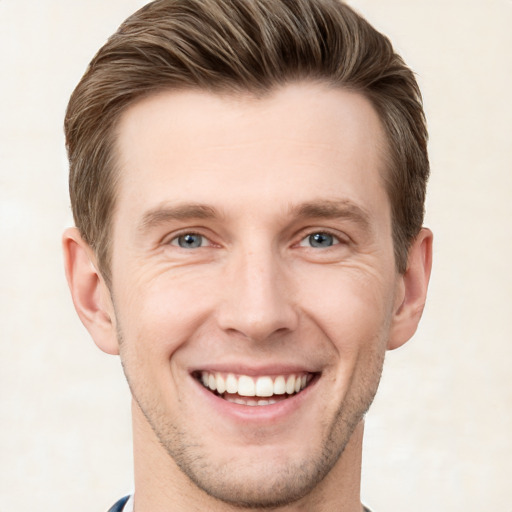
(260, 390)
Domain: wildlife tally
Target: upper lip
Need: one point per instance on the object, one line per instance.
(254, 371)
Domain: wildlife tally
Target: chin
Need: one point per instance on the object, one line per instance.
(259, 477)
(258, 483)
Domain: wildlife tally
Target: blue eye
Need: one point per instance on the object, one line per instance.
(319, 240)
(189, 241)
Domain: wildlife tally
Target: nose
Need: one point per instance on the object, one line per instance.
(258, 298)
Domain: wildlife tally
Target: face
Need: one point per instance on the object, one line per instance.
(253, 281)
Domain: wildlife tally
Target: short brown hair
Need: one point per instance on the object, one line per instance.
(241, 46)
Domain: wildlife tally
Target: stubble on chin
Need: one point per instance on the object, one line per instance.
(258, 485)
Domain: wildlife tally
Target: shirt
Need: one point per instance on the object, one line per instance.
(126, 505)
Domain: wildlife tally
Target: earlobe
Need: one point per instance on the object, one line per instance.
(414, 284)
(90, 294)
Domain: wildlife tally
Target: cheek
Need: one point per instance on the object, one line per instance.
(355, 318)
(352, 306)
(161, 317)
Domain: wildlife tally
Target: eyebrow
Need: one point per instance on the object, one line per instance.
(320, 209)
(332, 209)
(167, 213)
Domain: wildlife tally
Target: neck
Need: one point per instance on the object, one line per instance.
(161, 486)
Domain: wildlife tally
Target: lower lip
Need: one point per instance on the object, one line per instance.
(265, 414)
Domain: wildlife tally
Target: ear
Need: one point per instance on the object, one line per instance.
(412, 290)
(90, 294)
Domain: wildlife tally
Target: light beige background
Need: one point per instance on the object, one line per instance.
(439, 435)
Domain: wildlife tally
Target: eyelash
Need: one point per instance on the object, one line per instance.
(175, 240)
(337, 240)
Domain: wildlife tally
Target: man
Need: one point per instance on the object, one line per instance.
(248, 181)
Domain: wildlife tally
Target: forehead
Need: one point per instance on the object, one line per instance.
(301, 142)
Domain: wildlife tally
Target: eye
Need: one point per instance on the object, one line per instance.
(319, 240)
(190, 241)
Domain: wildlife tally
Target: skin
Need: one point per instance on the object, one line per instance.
(253, 179)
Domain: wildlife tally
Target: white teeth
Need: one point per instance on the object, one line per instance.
(212, 382)
(264, 386)
(249, 401)
(290, 385)
(238, 401)
(220, 383)
(231, 383)
(246, 386)
(279, 386)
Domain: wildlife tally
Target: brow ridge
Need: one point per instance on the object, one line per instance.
(333, 209)
(167, 213)
(321, 209)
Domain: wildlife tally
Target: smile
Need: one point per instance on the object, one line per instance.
(254, 391)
